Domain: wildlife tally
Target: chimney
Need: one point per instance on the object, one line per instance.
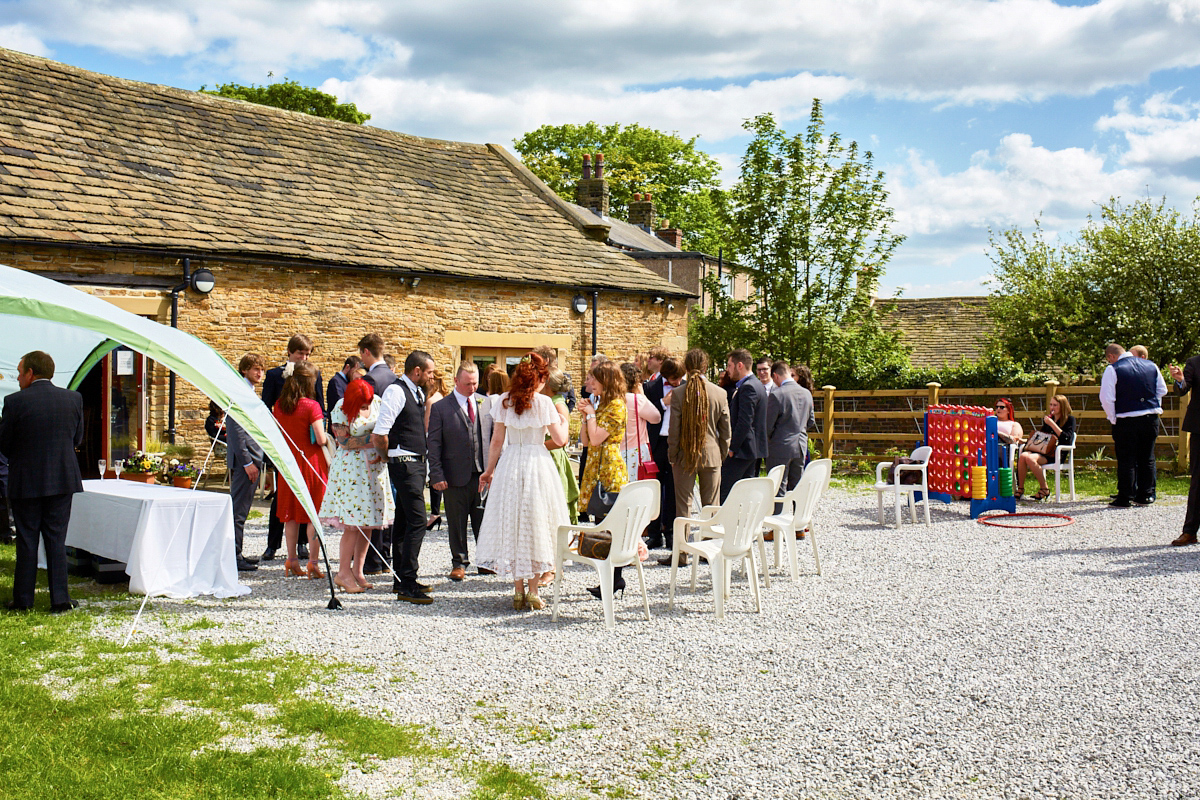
(592, 192)
(672, 236)
(641, 211)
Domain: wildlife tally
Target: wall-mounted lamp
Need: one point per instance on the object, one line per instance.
(579, 304)
(416, 280)
(658, 300)
(670, 306)
(202, 281)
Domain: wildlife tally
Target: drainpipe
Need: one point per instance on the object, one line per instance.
(187, 277)
(595, 299)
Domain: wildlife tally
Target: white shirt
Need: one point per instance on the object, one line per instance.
(390, 407)
(1108, 394)
(462, 401)
(667, 389)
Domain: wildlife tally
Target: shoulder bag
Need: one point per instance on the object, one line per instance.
(646, 470)
(1042, 443)
(601, 501)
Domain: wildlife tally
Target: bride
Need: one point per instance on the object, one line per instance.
(526, 501)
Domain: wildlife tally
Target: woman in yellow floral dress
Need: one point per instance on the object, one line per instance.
(603, 431)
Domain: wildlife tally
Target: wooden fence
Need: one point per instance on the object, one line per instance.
(866, 425)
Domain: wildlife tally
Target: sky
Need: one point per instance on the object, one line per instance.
(983, 114)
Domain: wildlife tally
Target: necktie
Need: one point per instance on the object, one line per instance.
(471, 411)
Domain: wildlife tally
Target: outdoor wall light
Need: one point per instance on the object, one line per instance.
(658, 300)
(579, 304)
(416, 280)
(202, 281)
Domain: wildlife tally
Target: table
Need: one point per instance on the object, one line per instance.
(176, 542)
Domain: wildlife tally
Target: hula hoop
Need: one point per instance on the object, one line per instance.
(992, 520)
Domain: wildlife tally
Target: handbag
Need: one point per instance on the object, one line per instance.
(600, 502)
(595, 544)
(646, 470)
(1042, 443)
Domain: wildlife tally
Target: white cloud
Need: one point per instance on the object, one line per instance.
(1162, 134)
(20, 38)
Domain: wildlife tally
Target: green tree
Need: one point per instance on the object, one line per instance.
(1131, 276)
(682, 179)
(291, 96)
(812, 231)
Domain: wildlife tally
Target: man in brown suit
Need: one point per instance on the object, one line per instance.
(692, 459)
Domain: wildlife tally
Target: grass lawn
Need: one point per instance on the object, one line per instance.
(84, 717)
(1088, 482)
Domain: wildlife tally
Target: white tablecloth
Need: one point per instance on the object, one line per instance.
(176, 542)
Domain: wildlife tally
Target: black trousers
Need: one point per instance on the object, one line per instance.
(408, 531)
(1191, 520)
(1133, 441)
(462, 505)
(241, 494)
(275, 525)
(733, 470)
(43, 518)
(664, 525)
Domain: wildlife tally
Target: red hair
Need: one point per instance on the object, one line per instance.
(359, 393)
(1004, 401)
(525, 379)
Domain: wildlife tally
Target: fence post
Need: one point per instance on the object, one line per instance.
(827, 448)
(1051, 390)
(1182, 453)
(933, 387)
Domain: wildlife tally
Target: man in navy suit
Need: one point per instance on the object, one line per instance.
(748, 413)
(458, 446)
(40, 429)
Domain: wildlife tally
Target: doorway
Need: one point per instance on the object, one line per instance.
(114, 410)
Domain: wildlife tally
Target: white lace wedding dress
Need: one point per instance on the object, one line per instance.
(526, 502)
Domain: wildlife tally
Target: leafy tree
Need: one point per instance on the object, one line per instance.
(291, 96)
(683, 179)
(1131, 276)
(812, 231)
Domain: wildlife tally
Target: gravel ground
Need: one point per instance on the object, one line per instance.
(955, 660)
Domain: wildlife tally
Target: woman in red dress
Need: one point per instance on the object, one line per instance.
(304, 425)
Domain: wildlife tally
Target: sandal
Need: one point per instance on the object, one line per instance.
(1042, 494)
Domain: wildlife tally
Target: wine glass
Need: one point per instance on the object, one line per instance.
(119, 465)
(103, 465)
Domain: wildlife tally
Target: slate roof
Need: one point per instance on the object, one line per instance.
(87, 158)
(628, 236)
(942, 330)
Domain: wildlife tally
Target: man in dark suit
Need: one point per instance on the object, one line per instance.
(1186, 380)
(337, 384)
(40, 429)
(654, 390)
(748, 412)
(380, 376)
(458, 446)
(299, 348)
(244, 456)
(789, 409)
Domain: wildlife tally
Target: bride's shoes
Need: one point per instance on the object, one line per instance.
(535, 602)
(518, 601)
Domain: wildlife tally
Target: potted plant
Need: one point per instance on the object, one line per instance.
(141, 467)
(181, 474)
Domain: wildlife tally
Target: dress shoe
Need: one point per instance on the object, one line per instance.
(1143, 501)
(485, 571)
(245, 565)
(6, 538)
(618, 588)
(62, 608)
(423, 588)
(1184, 539)
(1120, 503)
(665, 561)
(302, 552)
(457, 574)
(268, 554)
(373, 571)
(654, 543)
(251, 559)
(413, 595)
(12, 605)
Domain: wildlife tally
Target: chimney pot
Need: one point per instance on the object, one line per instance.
(587, 166)
(591, 190)
(599, 165)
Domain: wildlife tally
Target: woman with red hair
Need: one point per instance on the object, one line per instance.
(526, 500)
(359, 498)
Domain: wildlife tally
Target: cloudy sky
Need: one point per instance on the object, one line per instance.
(984, 115)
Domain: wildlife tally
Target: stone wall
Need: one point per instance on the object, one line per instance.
(256, 308)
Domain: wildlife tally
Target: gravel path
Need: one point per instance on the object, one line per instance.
(955, 660)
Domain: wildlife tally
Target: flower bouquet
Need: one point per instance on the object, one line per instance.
(181, 474)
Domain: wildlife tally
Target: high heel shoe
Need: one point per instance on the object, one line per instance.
(364, 584)
(353, 589)
(292, 567)
(534, 602)
(518, 601)
(618, 588)
(314, 571)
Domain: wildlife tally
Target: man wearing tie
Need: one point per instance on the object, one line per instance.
(400, 435)
(41, 427)
(457, 447)
(748, 412)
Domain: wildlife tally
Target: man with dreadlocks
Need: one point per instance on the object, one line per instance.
(698, 437)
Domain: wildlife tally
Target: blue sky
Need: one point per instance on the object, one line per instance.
(984, 114)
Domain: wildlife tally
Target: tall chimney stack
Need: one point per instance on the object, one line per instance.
(641, 212)
(591, 192)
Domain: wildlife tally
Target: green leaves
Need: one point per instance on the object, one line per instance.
(291, 96)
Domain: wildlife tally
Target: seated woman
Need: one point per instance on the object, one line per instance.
(1058, 422)
(1006, 422)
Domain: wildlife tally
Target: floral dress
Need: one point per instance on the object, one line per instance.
(605, 460)
(359, 492)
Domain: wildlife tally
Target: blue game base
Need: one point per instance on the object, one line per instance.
(1008, 504)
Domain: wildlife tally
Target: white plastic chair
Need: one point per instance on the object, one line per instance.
(898, 489)
(798, 507)
(636, 505)
(731, 531)
(775, 475)
(1058, 465)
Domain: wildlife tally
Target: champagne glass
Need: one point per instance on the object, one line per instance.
(119, 465)
(103, 465)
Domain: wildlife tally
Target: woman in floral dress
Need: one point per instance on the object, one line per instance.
(603, 432)
(359, 498)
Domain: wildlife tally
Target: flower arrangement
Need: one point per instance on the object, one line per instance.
(142, 463)
(178, 469)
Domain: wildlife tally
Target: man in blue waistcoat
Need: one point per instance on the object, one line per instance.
(1131, 391)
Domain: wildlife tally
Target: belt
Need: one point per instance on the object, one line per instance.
(404, 459)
